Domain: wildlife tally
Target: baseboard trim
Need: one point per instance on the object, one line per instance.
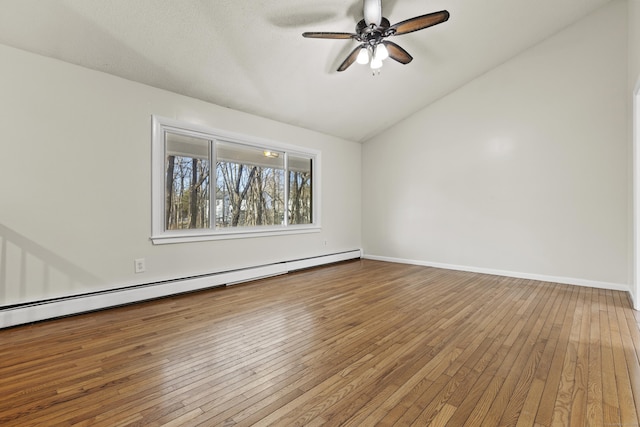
(60, 307)
(634, 303)
(505, 273)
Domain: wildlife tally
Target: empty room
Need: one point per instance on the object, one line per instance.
(337, 213)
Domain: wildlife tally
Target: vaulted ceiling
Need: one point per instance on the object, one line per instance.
(249, 55)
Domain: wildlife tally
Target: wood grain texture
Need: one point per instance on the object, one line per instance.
(359, 343)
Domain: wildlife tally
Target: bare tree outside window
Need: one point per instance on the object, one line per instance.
(187, 182)
(250, 181)
(300, 194)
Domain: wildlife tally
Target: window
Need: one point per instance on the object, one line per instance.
(209, 184)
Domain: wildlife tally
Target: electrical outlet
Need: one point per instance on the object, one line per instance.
(140, 266)
(325, 243)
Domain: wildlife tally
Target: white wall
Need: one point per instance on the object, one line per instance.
(523, 171)
(634, 41)
(634, 132)
(75, 189)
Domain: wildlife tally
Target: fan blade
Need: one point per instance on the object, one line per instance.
(328, 35)
(350, 59)
(397, 53)
(419, 23)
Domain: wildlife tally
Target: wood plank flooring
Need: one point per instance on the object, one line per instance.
(359, 343)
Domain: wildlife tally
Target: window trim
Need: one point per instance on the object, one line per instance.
(159, 235)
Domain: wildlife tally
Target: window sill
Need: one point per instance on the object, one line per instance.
(200, 236)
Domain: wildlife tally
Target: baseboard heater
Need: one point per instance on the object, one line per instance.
(65, 306)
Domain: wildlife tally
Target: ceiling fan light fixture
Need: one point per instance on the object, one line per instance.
(363, 56)
(381, 52)
(376, 63)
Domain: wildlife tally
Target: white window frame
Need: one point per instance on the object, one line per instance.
(161, 125)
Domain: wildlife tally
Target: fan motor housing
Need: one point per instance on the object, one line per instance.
(372, 34)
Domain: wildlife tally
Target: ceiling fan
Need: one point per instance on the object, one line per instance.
(372, 31)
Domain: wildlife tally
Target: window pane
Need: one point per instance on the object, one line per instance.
(249, 186)
(187, 189)
(300, 190)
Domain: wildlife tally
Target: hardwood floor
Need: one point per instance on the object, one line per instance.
(356, 344)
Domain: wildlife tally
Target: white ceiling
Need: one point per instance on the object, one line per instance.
(249, 55)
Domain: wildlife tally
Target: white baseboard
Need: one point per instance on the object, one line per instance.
(635, 303)
(518, 275)
(33, 312)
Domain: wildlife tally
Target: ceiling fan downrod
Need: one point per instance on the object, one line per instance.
(372, 11)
